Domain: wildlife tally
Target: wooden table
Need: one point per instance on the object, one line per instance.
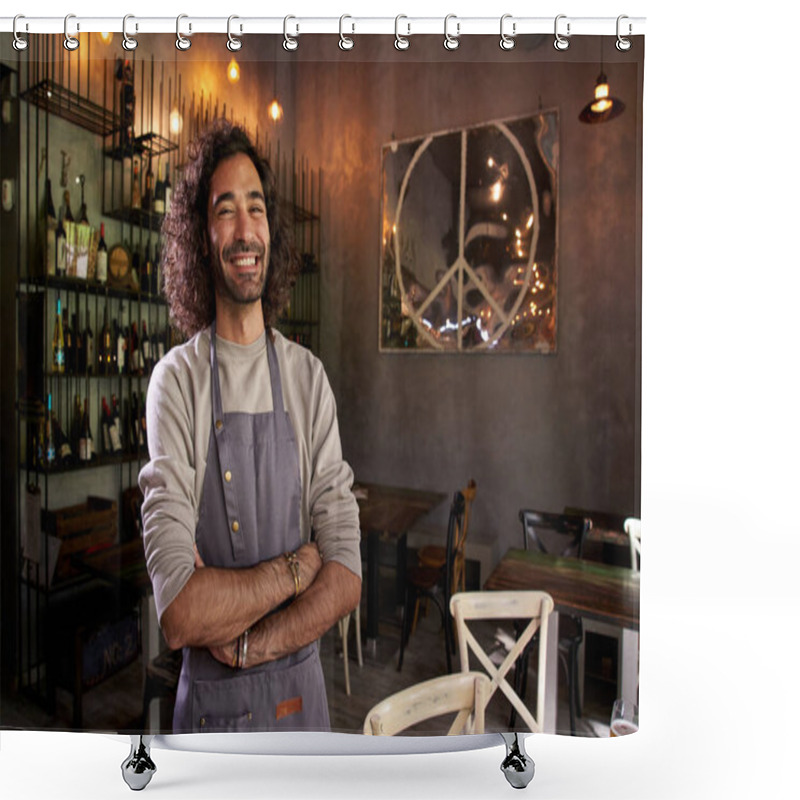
(389, 512)
(580, 588)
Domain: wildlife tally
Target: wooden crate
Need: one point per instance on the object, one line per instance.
(82, 528)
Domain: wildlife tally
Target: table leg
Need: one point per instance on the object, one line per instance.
(629, 666)
(373, 596)
(151, 646)
(551, 675)
(400, 590)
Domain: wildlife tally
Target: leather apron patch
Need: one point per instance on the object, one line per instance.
(294, 705)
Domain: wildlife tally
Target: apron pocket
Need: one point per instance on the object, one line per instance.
(288, 698)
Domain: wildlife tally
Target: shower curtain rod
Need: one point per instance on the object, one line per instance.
(185, 25)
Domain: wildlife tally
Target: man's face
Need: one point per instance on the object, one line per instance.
(238, 231)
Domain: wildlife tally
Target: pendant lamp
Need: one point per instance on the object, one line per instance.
(603, 107)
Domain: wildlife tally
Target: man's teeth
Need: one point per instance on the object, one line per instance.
(250, 261)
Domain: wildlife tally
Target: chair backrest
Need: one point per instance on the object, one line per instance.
(519, 605)
(633, 527)
(556, 534)
(463, 693)
(459, 571)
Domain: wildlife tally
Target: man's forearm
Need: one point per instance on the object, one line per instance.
(335, 592)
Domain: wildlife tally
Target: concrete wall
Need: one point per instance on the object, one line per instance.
(533, 430)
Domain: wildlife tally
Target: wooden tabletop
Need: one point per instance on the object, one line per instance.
(584, 588)
(393, 509)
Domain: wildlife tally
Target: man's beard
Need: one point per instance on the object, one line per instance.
(249, 291)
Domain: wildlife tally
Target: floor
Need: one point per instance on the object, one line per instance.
(116, 704)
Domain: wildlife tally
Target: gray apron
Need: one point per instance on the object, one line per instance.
(250, 512)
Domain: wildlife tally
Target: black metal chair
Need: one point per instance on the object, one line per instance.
(560, 535)
(422, 581)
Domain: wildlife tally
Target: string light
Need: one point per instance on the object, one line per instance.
(106, 37)
(234, 73)
(175, 121)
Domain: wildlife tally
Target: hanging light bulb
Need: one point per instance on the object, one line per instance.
(106, 37)
(234, 73)
(275, 111)
(175, 121)
(604, 107)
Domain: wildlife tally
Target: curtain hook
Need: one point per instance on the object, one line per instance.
(451, 42)
(289, 42)
(128, 42)
(561, 43)
(182, 43)
(234, 44)
(507, 42)
(70, 42)
(19, 42)
(623, 44)
(345, 42)
(401, 42)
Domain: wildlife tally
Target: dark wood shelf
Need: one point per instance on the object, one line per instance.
(95, 463)
(150, 143)
(149, 220)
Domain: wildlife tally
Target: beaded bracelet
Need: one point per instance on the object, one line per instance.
(294, 565)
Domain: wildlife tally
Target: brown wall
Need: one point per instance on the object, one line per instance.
(536, 431)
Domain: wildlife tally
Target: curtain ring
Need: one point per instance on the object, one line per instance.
(19, 42)
(289, 42)
(182, 43)
(345, 42)
(561, 43)
(623, 44)
(128, 42)
(507, 42)
(451, 42)
(70, 42)
(401, 42)
(233, 44)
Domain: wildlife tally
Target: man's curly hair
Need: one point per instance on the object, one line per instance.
(188, 275)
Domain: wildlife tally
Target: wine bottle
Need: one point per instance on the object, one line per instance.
(159, 199)
(105, 424)
(86, 444)
(69, 350)
(136, 199)
(67, 210)
(146, 358)
(161, 344)
(59, 357)
(136, 267)
(49, 443)
(127, 102)
(51, 225)
(134, 421)
(114, 356)
(75, 429)
(61, 249)
(135, 355)
(147, 196)
(122, 350)
(104, 345)
(88, 346)
(147, 271)
(64, 453)
(79, 355)
(101, 265)
(167, 192)
(116, 426)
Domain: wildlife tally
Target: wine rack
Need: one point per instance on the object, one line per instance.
(90, 116)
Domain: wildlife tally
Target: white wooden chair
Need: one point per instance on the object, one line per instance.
(518, 605)
(462, 692)
(633, 527)
(344, 629)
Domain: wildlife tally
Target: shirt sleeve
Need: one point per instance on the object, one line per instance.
(167, 482)
(334, 510)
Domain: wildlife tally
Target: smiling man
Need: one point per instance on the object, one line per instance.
(246, 462)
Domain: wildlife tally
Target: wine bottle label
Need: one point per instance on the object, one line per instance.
(50, 453)
(65, 451)
(113, 434)
(106, 438)
(51, 251)
(121, 353)
(83, 449)
(61, 254)
(58, 359)
(101, 268)
(158, 205)
(146, 350)
(89, 448)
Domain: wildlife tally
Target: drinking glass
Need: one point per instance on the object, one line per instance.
(624, 717)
